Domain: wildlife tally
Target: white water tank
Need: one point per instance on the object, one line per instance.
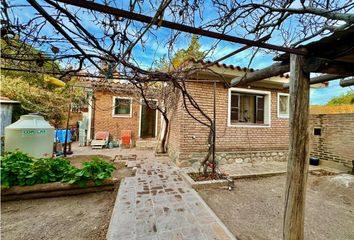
(31, 134)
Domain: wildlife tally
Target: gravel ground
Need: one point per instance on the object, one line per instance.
(254, 209)
(84, 216)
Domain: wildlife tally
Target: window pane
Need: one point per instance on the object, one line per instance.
(234, 115)
(234, 108)
(260, 109)
(284, 105)
(243, 108)
(234, 100)
(247, 108)
(122, 106)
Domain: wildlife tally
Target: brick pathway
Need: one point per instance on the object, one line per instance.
(157, 204)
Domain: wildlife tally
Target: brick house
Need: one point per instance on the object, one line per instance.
(251, 121)
(119, 107)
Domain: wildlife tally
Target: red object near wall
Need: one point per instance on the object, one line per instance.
(126, 137)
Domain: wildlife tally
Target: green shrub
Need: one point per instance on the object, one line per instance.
(96, 170)
(19, 169)
(45, 170)
(15, 168)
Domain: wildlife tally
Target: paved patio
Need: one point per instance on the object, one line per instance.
(157, 204)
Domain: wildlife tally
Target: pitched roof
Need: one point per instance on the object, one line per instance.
(224, 66)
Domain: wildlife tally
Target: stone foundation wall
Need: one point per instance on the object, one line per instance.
(248, 157)
(231, 157)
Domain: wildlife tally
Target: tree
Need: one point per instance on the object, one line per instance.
(346, 98)
(33, 89)
(166, 92)
(192, 52)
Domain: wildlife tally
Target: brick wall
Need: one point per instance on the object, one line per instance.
(193, 135)
(104, 121)
(74, 118)
(336, 142)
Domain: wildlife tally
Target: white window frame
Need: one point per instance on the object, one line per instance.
(122, 115)
(142, 101)
(278, 105)
(267, 104)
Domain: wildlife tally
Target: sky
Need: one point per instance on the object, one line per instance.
(153, 50)
(323, 95)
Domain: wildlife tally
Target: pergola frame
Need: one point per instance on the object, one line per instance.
(336, 63)
(300, 62)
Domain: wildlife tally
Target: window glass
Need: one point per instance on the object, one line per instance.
(283, 105)
(234, 107)
(122, 106)
(247, 108)
(260, 109)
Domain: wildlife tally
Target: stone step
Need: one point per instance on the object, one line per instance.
(146, 144)
(131, 164)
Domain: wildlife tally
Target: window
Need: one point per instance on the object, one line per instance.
(249, 107)
(122, 107)
(283, 105)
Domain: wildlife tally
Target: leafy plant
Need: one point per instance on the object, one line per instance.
(19, 169)
(46, 170)
(96, 170)
(60, 167)
(15, 167)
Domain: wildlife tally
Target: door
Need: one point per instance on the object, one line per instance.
(147, 120)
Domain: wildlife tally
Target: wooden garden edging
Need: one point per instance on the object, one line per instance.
(55, 189)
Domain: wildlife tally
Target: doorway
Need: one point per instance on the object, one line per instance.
(148, 120)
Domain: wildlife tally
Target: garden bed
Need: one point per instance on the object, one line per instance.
(198, 181)
(83, 216)
(322, 172)
(56, 189)
(197, 176)
(188, 177)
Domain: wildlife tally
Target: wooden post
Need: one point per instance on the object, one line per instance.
(293, 225)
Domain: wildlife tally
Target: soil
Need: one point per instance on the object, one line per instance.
(196, 176)
(322, 172)
(254, 209)
(84, 216)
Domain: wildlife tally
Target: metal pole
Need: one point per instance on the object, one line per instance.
(66, 130)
